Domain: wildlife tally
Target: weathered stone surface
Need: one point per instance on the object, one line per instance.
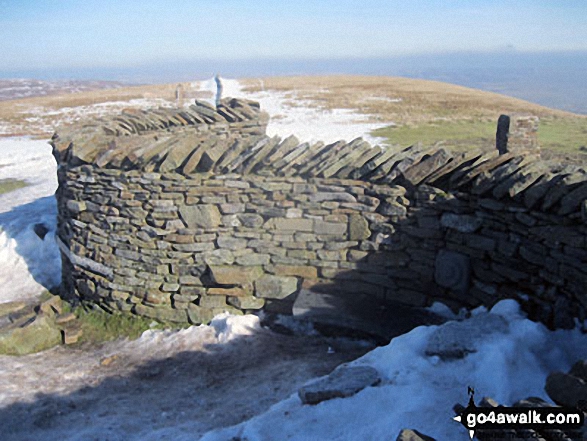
(76, 206)
(573, 200)
(235, 275)
(327, 228)
(344, 382)
(306, 272)
(294, 224)
(390, 207)
(162, 314)
(566, 389)
(40, 334)
(218, 257)
(231, 243)
(358, 228)
(561, 188)
(419, 172)
(335, 196)
(251, 220)
(461, 222)
(197, 315)
(246, 302)
(234, 291)
(204, 216)
(178, 154)
(253, 259)
(275, 287)
(413, 435)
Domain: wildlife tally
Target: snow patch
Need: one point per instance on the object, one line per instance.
(28, 264)
(419, 391)
(228, 326)
(302, 118)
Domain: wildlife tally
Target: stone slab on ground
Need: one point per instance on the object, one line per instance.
(413, 435)
(31, 337)
(344, 382)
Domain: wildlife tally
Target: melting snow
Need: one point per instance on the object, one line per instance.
(302, 118)
(28, 264)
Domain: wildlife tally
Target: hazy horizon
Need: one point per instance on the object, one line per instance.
(531, 49)
(553, 79)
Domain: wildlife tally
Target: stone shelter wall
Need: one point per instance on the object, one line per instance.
(181, 221)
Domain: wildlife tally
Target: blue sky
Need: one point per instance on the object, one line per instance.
(121, 33)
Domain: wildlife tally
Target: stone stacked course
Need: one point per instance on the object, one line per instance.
(181, 214)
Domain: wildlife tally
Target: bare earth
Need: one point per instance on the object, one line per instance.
(163, 382)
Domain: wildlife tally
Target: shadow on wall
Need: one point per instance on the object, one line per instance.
(128, 396)
(27, 241)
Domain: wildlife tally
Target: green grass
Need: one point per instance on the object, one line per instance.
(8, 185)
(564, 135)
(99, 326)
(458, 135)
(554, 134)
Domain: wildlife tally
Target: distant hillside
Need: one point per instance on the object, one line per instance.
(432, 111)
(13, 89)
(414, 110)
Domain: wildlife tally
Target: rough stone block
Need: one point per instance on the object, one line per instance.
(235, 275)
(200, 216)
(344, 382)
(330, 228)
(306, 272)
(275, 287)
(358, 228)
(452, 271)
(231, 243)
(253, 259)
(76, 206)
(246, 302)
(284, 224)
(162, 314)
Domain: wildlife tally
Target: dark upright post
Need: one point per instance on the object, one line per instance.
(501, 137)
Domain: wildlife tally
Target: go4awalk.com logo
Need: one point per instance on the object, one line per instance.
(513, 419)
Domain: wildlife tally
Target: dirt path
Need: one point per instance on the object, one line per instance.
(161, 386)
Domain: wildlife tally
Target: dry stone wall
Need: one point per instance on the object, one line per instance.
(181, 214)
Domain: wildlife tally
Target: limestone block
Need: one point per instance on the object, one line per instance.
(198, 315)
(284, 224)
(344, 382)
(358, 228)
(306, 272)
(162, 314)
(253, 259)
(235, 275)
(330, 228)
(76, 206)
(34, 337)
(335, 196)
(231, 243)
(275, 287)
(413, 435)
(246, 302)
(203, 216)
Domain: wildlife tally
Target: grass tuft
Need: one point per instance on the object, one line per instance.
(8, 185)
(99, 326)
